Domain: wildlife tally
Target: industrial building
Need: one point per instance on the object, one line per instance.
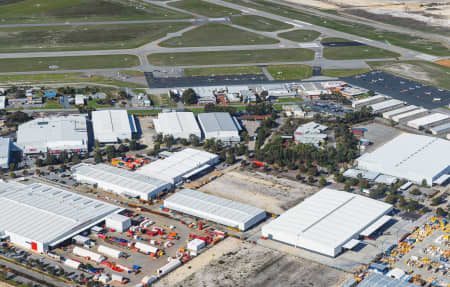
(2, 102)
(388, 115)
(213, 208)
(180, 165)
(429, 121)
(117, 222)
(220, 126)
(5, 148)
(177, 124)
(411, 157)
(404, 117)
(120, 181)
(328, 222)
(368, 101)
(437, 130)
(386, 106)
(310, 133)
(111, 126)
(54, 135)
(40, 217)
(313, 89)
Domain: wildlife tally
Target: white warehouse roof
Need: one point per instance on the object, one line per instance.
(180, 164)
(428, 120)
(120, 181)
(409, 115)
(326, 221)
(390, 114)
(112, 125)
(409, 156)
(4, 152)
(367, 101)
(177, 124)
(220, 126)
(217, 209)
(386, 105)
(46, 215)
(53, 134)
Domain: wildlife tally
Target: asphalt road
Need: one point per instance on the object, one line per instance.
(153, 47)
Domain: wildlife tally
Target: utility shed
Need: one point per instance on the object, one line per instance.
(5, 146)
(180, 165)
(54, 135)
(411, 157)
(39, 216)
(326, 221)
(220, 126)
(217, 209)
(111, 126)
(120, 181)
(177, 124)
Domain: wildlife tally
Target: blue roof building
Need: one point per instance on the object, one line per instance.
(50, 94)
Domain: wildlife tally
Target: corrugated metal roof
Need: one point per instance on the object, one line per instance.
(378, 280)
(384, 105)
(178, 164)
(111, 125)
(428, 120)
(440, 129)
(134, 182)
(47, 214)
(213, 208)
(55, 133)
(325, 221)
(178, 124)
(217, 122)
(409, 156)
(402, 110)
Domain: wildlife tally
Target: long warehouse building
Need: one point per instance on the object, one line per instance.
(220, 126)
(111, 126)
(177, 124)
(40, 217)
(54, 135)
(429, 121)
(328, 222)
(120, 181)
(386, 106)
(412, 157)
(220, 210)
(388, 115)
(180, 165)
(404, 117)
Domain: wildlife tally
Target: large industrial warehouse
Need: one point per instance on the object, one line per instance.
(412, 157)
(120, 181)
(180, 165)
(328, 222)
(177, 124)
(220, 126)
(39, 216)
(217, 209)
(111, 126)
(54, 135)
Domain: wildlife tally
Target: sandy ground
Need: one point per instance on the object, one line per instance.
(147, 130)
(438, 15)
(414, 71)
(200, 262)
(254, 265)
(257, 189)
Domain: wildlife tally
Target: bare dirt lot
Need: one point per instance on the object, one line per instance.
(258, 189)
(254, 265)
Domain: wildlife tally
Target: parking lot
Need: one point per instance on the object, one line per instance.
(412, 92)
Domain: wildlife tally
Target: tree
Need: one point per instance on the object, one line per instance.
(437, 200)
(110, 152)
(12, 174)
(363, 183)
(159, 138)
(440, 212)
(98, 158)
(184, 142)
(424, 182)
(413, 205)
(122, 149)
(39, 162)
(391, 199)
(322, 181)
(310, 179)
(415, 191)
(347, 186)
(189, 97)
(76, 158)
(194, 140)
(339, 177)
(231, 159)
(156, 148)
(133, 145)
(168, 141)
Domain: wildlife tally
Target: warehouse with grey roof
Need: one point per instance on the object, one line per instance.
(220, 126)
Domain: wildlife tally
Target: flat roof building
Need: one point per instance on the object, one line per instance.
(111, 126)
(213, 208)
(54, 135)
(177, 124)
(327, 222)
(388, 115)
(409, 115)
(429, 121)
(120, 181)
(180, 165)
(2, 102)
(221, 126)
(5, 148)
(409, 156)
(39, 216)
(386, 105)
(368, 101)
(437, 130)
(310, 133)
